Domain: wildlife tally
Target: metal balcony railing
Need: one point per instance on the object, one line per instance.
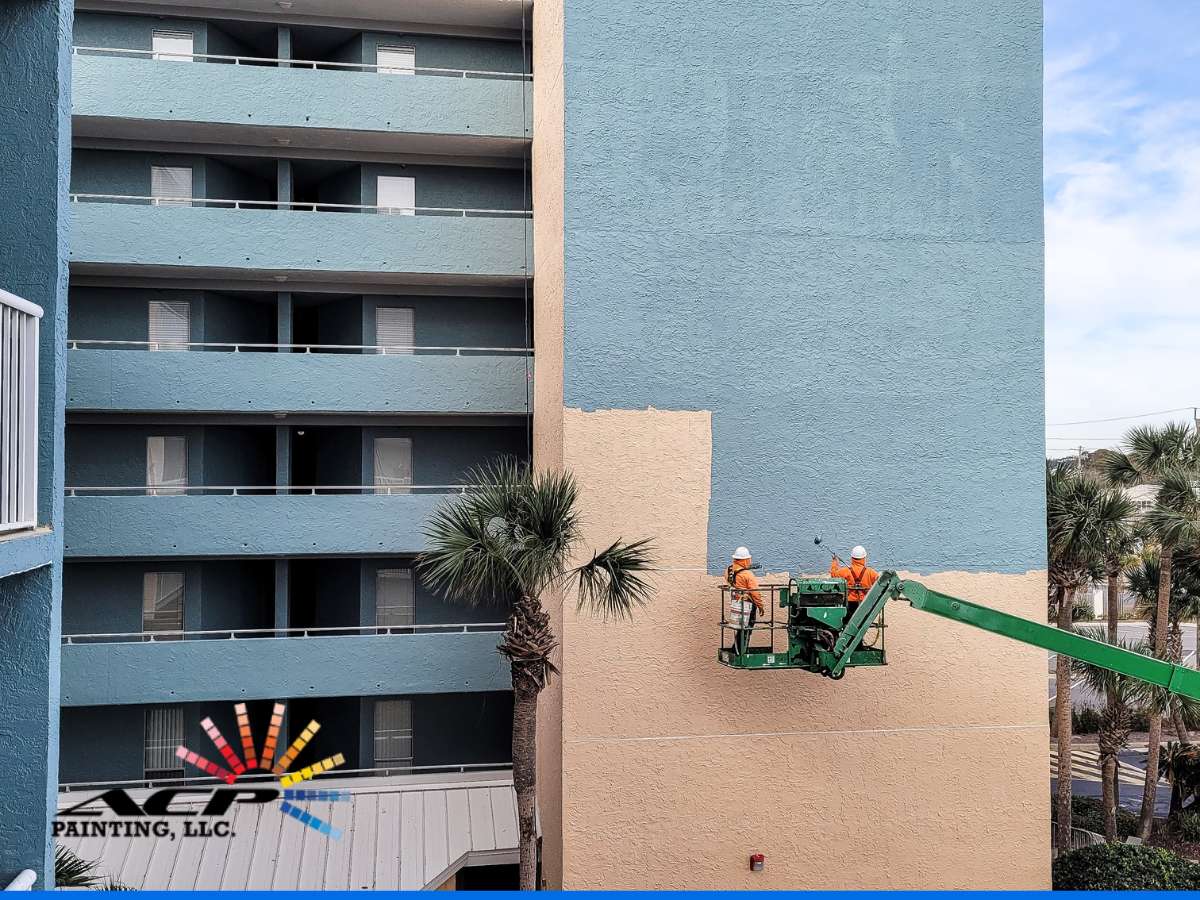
(274, 62)
(18, 412)
(172, 490)
(239, 634)
(297, 206)
(365, 349)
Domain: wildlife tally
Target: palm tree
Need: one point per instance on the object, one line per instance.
(510, 539)
(1167, 455)
(1177, 765)
(1120, 547)
(1080, 516)
(1123, 697)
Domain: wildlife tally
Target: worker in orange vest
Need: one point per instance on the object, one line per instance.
(745, 600)
(859, 577)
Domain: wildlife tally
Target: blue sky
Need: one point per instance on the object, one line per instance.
(1122, 181)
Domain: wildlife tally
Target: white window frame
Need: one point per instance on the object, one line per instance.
(157, 446)
(399, 67)
(156, 588)
(385, 484)
(163, 316)
(162, 185)
(400, 344)
(162, 734)
(395, 729)
(173, 54)
(402, 611)
(409, 208)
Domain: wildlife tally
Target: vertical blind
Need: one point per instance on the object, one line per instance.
(166, 465)
(397, 194)
(393, 733)
(395, 329)
(18, 412)
(395, 598)
(170, 324)
(176, 46)
(164, 733)
(171, 185)
(393, 465)
(162, 601)
(396, 60)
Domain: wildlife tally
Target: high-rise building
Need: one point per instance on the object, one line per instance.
(782, 267)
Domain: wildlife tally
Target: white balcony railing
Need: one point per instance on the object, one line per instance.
(298, 206)
(274, 62)
(18, 412)
(225, 347)
(244, 490)
(240, 634)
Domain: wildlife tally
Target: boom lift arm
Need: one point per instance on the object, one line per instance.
(820, 641)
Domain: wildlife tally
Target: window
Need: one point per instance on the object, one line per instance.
(176, 46)
(164, 734)
(393, 465)
(166, 465)
(170, 324)
(393, 734)
(162, 601)
(396, 60)
(395, 598)
(171, 185)
(395, 329)
(396, 195)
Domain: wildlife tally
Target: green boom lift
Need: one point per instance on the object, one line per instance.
(821, 637)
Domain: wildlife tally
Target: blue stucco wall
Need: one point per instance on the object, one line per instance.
(134, 32)
(827, 232)
(157, 90)
(203, 381)
(263, 668)
(452, 187)
(35, 106)
(124, 237)
(127, 172)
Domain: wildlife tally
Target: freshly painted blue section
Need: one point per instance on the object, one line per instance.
(119, 380)
(157, 90)
(836, 248)
(264, 668)
(128, 236)
(247, 525)
(35, 129)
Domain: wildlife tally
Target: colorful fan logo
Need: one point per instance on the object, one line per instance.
(267, 762)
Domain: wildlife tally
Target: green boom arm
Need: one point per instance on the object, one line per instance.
(1175, 678)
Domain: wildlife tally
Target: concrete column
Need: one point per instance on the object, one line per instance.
(284, 44)
(283, 319)
(283, 456)
(281, 593)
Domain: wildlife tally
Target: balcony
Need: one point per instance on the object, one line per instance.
(115, 669)
(129, 376)
(279, 241)
(18, 413)
(313, 104)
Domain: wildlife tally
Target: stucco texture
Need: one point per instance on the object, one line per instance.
(927, 773)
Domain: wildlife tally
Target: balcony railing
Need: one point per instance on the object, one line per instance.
(385, 349)
(274, 62)
(166, 490)
(227, 634)
(18, 412)
(296, 206)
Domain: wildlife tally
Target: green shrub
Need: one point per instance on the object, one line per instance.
(1083, 612)
(1088, 813)
(1085, 720)
(1114, 867)
(1187, 826)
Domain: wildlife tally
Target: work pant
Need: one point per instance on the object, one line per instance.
(741, 637)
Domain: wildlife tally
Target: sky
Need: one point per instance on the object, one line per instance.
(1122, 196)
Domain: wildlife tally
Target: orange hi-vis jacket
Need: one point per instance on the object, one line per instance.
(746, 584)
(859, 578)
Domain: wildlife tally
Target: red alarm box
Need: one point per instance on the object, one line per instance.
(757, 861)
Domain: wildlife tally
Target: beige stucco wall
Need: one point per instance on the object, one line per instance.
(931, 772)
(547, 173)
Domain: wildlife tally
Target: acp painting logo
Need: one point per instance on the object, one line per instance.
(155, 815)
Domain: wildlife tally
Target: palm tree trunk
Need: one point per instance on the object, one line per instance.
(1114, 598)
(1108, 795)
(1162, 610)
(1062, 722)
(524, 754)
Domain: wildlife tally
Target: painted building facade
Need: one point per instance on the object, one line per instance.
(299, 319)
(797, 273)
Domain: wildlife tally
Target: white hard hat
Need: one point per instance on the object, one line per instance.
(741, 553)
(859, 552)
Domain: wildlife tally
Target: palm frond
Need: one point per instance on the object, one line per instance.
(611, 582)
(72, 870)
